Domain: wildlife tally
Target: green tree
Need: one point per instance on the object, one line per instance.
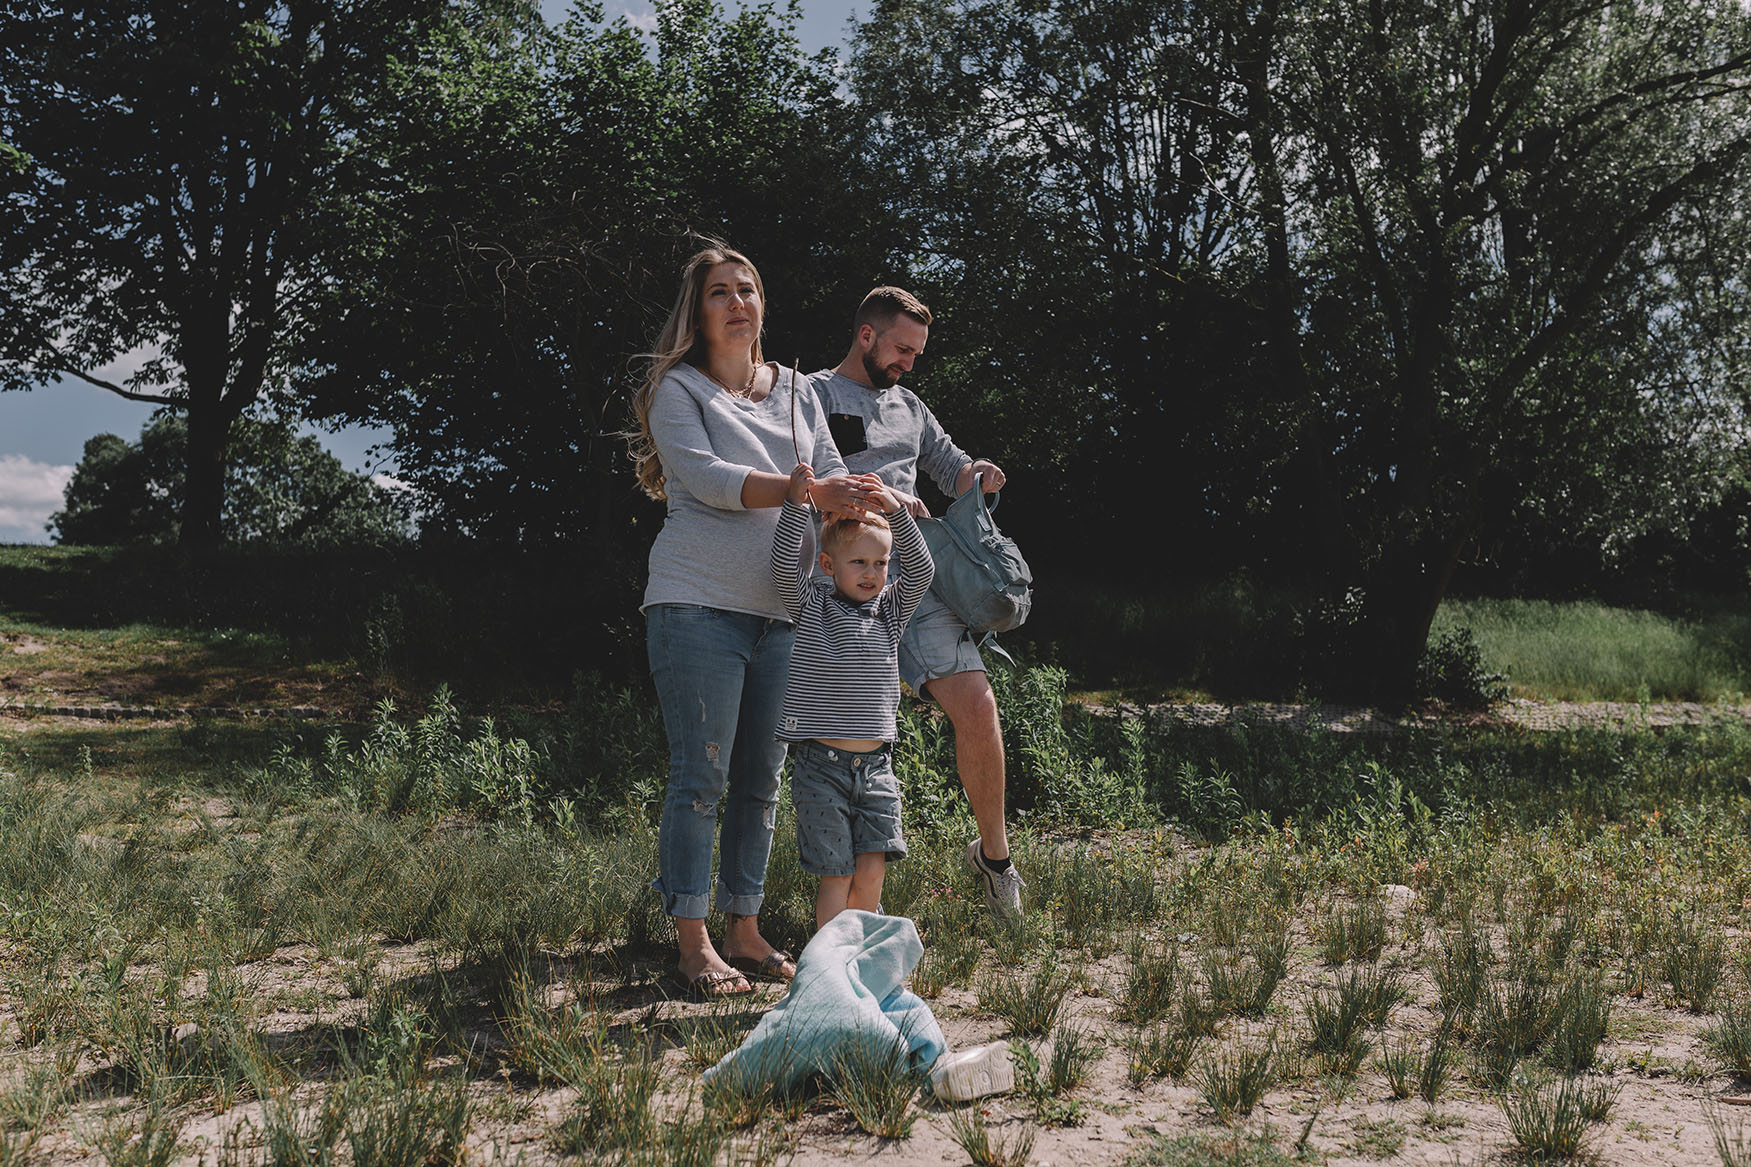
(1399, 275)
(520, 243)
(282, 489)
(168, 158)
(117, 494)
(1501, 241)
(1080, 196)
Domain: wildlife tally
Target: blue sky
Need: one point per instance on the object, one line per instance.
(42, 432)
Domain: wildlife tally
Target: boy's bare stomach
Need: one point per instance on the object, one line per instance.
(851, 744)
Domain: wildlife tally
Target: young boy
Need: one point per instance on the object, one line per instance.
(844, 688)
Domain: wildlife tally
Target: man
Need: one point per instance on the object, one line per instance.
(882, 428)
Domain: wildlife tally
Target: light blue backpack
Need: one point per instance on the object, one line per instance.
(980, 573)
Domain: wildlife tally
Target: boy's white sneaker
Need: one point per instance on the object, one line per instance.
(973, 1073)
(1002, 888)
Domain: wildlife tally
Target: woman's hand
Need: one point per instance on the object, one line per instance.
(846, 494)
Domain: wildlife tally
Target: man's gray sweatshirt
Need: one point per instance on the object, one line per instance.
(901, 436)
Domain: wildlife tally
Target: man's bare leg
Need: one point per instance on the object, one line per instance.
(972, 709)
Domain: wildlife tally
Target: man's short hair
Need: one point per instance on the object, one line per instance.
(883, 304)
(843, 530)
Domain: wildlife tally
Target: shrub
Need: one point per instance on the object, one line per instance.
(1064, 763)
(1452, 671)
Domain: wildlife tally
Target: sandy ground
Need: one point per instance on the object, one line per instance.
(1654, 1055)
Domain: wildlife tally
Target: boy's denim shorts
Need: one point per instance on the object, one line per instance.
(847, 804)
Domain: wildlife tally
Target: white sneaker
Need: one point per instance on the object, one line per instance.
(1002, 888)
(973, 1073)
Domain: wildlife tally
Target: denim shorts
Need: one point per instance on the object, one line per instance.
(936, 644)
(847, 804)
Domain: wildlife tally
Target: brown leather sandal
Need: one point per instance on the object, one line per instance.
(769, 969)
(716, 984)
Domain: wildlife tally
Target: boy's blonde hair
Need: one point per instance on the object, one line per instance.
(844, 529)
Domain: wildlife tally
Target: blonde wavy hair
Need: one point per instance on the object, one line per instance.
(679, 341)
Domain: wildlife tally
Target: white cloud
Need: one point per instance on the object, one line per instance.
(641, 14)
(640, 17)
(126, 365)
(30, 491)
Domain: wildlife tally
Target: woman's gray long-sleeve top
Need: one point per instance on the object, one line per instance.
(712, 550)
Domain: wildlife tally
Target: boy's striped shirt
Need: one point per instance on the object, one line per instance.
(845, 666)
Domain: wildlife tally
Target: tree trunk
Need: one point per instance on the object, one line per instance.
(203, 502)
(1403, 594)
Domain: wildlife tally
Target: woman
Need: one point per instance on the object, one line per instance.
(719, 430)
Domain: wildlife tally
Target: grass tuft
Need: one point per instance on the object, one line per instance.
(1437, 1066)
(1729, 1139)
(1694, 963)
(877, 1084)
(1354, 933)
(1401, 1063)
(1234, 1148)
(1729, 1037)
(1030, 1001)
(1583, 1017)
(146, 1140)
(984, 1148)
(1461, 973)
(1152, 983)
(1335, 1032)
(1233, 1084)
(1552, 1122)
(1245, 987)
(1513, 1020)
(1164, 1050)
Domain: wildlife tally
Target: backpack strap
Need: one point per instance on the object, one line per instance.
(988, 643)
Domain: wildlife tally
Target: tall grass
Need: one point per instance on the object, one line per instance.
(518, 960)
(1588, 651)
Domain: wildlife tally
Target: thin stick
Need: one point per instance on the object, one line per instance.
(795, 448)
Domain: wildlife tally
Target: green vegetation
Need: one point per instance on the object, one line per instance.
(1391, 366)
(1244, 642)
(343, 628)
(1589, 651)
(390, 939)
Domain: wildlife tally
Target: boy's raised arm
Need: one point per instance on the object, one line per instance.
(787, 543)
(916, 567)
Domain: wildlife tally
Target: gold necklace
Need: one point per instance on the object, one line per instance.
(746, 390)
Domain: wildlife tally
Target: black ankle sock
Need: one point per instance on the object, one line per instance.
(997, 865)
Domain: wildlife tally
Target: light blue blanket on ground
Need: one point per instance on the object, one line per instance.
(848, 990)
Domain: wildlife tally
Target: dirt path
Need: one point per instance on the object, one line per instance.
(1519, 711)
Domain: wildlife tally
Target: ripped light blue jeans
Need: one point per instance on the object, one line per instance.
(720, 678)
